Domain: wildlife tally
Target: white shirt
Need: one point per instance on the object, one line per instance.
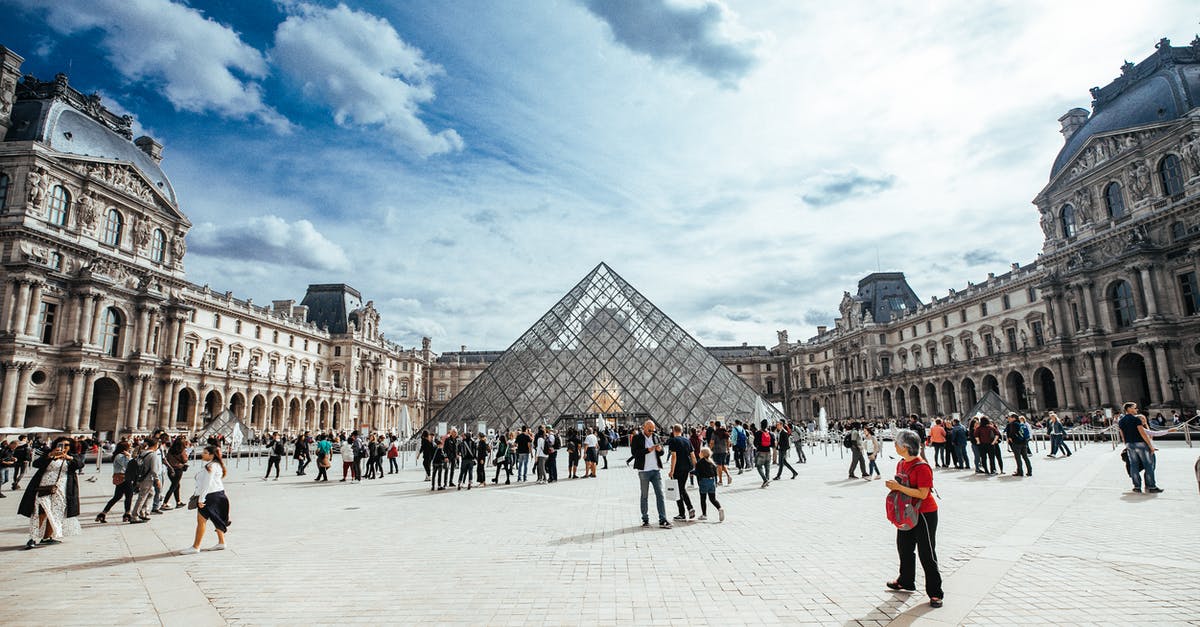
(208, 480)
(541, 448)
(651, 458)
(591, 441)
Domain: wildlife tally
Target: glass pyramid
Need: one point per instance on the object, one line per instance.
(603, 352)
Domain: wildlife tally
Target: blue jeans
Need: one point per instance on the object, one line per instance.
(1141, 459)
(648, 478)
(522, 466)
(1057, 442)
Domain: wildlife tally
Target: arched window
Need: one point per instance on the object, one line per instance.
(1114, 200)
(112, 228)
(1124, 311)
(1067, 218)
(158, 246)
(60, 199)
(3, 191)
(110, 332)
(1171, 174)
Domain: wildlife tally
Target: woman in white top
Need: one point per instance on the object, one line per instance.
(210, 499)
(872, 445)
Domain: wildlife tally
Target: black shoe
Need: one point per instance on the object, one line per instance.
(49, 541)
(1138, 490)
(664, 525)
(645, 523)
(681, 517)
(1154, 490)
(30, 545)
(100, 517)
(895, 585)
(2, 496)
(935, 602)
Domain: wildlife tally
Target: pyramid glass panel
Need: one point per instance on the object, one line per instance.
(604, 349)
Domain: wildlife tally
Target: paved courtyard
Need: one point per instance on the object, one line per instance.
(1071, 545)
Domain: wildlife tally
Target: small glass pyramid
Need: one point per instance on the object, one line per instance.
(604, 352)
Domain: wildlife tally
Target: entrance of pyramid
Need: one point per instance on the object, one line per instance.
(619, 421)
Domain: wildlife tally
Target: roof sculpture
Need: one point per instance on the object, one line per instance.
(604, 347)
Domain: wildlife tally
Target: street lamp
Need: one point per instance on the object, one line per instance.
(1030, 397)
(1176, 385)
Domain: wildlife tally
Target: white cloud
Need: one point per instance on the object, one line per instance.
(202, 66)
(359, 66)
(270, 239)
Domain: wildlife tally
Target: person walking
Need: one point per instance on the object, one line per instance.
(51, 499)
(605, 445)
(871, 447)
(855, 440)
(22, 456)
(783, 444)
(719, 444)
(301, 454)
(441, 468)
(763, 444)
(149, 468)
(591, 453)
(393, 454)
(977, 452)
(647, 460)
(1058, 436)
(276, 451)
(211, 503)
(347, 453)
(177, 464)
(707, 478)
(682, 460)
(1140, 449)
(740, 441)
(504, 447)
(123, 486)
(324, 452)
(482, 450)
(922, 538)
(1018, 443)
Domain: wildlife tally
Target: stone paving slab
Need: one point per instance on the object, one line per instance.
(1070, 545)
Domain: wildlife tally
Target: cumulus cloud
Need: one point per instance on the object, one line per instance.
(270, 239)
(357, 64)
(201, 65)
(981, 257)
(736, 314)
(817, 317)
(697, 36)
(830, 188)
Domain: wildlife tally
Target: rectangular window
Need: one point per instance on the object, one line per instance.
(885, 366)
(404, 366)
(914, 330)
(272, 367)
(1011, 334)
(983, 309)
(901, 335)
(305, 344)
(1004, 302)
(770, 387)
(768, 367)
(154, 339)
(337, 378)
(337, 351)
(883, 338)
(257, 332)
(987, 342)
(46, 321)
(929, 326)
(1032, 295)
(235, 359)
(441, 394)
(404, 389)
(237, 327)
(962, 315)
(739, 367)
(1039, 337)
(189, 352)
(210, 359)
(945, 322)
(216, 321)
(1075, 316)
(1189, 293)
(291, 341)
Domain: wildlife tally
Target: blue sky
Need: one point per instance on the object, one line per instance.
(463, 164)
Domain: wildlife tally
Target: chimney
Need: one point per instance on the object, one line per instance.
(821, 330)
(150, 147)
(300, 313)
(462, 348)
(1071, 121)
(10, 73)
(283, 306)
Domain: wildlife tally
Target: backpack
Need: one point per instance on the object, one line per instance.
(847, 441)
(1025, 432)
(764, 438)
(137, 468)
(741, 436)
(902, 509)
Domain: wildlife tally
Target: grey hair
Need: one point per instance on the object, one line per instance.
(909, 439)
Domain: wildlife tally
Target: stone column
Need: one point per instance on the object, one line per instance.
(35, 305)
(94, 326)
(133, 404)
(1108, 393)
(75, 409)
(10, 304)
(180, 327)
(89, 388)
(8, 392)
(1091, 321)
(139, 333)
(62, 401)
(21, 400)
(1068, 383)
(143, 420)
(21, 311)
(167, 338)
(1100, 377)
(83, 334)
(173, 404)
(1161, 360)
(1148, 292)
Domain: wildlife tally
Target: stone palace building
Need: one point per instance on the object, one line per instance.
(101, 331)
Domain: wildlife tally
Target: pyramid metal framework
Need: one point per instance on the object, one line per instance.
(604, 349)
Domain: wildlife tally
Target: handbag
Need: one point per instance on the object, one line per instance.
(194, 502)
(52, 489)
(118, 478)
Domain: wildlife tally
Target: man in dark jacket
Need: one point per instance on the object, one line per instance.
(450, 448)
(23, 454)
(427, 448)
(1015, 434)
(302, 455)
(647, 459)
(275, 449)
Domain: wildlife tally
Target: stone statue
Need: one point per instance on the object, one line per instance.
(1048, 224)
(141, 233)
(178, 247)
(7, 95)
(1190, 148)
(1083, 204)
(782, 336)
(86, 211)
(1139, 179)
(36, 188)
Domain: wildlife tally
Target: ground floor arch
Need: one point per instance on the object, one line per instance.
(106, 404)
(1045, 389)
(1014, 387)
(185, 408)
(1133, 381)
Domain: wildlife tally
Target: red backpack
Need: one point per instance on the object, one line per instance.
(902, 509)
(764, 438)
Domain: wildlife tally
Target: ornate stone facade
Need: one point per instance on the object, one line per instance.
(99, 328)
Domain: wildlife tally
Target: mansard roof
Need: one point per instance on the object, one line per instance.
(329, 305)
(1163, 87)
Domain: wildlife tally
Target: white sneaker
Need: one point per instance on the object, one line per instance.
(217, 547)
(702, 517)
(721, 514)
(191, 550)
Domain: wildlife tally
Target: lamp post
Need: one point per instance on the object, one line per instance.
(1176, 385)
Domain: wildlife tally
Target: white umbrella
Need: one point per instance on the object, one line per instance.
(42, 430)
(11, 430)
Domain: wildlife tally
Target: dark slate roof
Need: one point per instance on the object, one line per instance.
(885, 294)
(733, 352)
(1163, 87)
(469, 357)
(329, 305)
(69, 122)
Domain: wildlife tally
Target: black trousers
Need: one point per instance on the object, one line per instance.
(1021, 452)
(923, 540)
(272, 461)
(739, 457)
(393, 466)
(507, 472)
(425, 462)
(782, 463)
(124, 490)
(552, 467)
(684, 501)
(175, 477)
(994, 458)
(321, 471)
(437, 478)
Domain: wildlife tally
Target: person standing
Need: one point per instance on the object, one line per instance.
(552, 443)
(706, 477)
(347, 453)
(211, 503)
(393, 453)
(937, 437)
(740, 441)
(922, 538)
(958, 442)
(6, 463)
(977, 452)
(482, 449)
(504, 447)
(440, 469)
(647, 460)
(177, 463)
(591, 453)
(915, 423)
(149, 469)
(22, 455)
(1140, 449)
(988, 437)
(783, 443)
(871, 446)
(855, 439)
(1058, 436)
(524, 443)
(51, 499)
(573, 454)
(275, 450)
(1014, 432)
(719, 444)
(324, 452)
(763, 444)
(427, 448)
(682, 460)
(541, 448)
(605, 445)
(301, 454)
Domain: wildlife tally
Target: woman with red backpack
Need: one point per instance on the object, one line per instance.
(913, 510)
